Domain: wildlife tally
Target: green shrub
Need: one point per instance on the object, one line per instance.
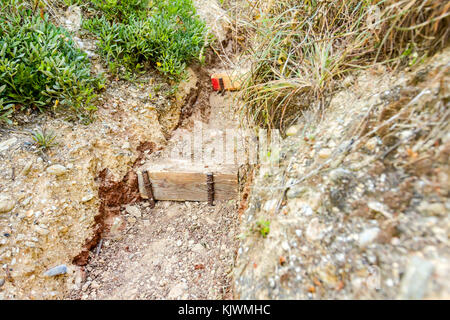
(41, 68)
(120, 10)
(168, 34)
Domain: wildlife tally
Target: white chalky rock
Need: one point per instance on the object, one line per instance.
(57, 169)
(134, 211)
(177, 291)
(315, 230)
(6, 203)
(87, 198)
(292, 131)
(61, 269)
(5, 145)
(368, 236)
(324, 153)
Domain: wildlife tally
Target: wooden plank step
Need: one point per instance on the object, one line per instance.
(184, 184)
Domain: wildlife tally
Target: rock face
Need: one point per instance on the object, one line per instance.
(215, 17)
(6, 203)
(361, 215)
(57, 205)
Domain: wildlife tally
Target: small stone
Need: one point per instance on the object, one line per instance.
(285, 245)
(433, 209)
(292, 131)
(87, 198)
(395, 241)
(6, 203)
(5, 145)
(179, 243)
(315, 200)
(177, 291)
(134, 211)
(324, 153)
(328, 275)
(40, 230)
(298, 232)
(126, 146)
(57, 169)
(58, 270)
(372, 143)
(117, 225)
(414, 282)
(315, 230)
(95, 285)
(27, 168)
(380, 208)
(368, 236)
(198, 248)
(296, 192)
(2, 282)
(389, 282)
(30, 244)
(339, 174)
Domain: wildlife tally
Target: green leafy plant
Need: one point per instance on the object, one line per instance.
(120, 10)
(263, 227)
(166, 34)
(5, 110)
(43, 139)
(40, 66)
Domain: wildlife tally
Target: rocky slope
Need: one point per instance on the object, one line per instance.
(49, 201)
(359, 204)
(56, 206)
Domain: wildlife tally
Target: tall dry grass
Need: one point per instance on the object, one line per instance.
(301, 49)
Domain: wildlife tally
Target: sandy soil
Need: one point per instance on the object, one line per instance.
(174, 251)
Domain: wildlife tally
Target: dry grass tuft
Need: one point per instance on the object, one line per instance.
(301, 49)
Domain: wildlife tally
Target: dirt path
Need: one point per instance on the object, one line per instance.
(177, 250)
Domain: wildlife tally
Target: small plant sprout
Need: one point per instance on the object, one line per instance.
(263, 227)
(43, 139)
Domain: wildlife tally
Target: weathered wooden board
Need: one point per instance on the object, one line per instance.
(191, 186)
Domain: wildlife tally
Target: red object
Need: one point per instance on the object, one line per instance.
(215, 84)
